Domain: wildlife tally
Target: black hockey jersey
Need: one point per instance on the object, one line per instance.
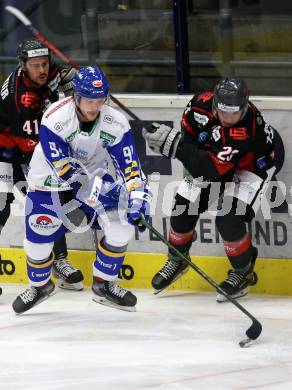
(21, 109)
(213, 151)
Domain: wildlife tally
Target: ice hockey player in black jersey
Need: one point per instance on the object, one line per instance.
(223, 139)
(25, 94)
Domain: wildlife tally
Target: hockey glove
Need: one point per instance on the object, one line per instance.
(138, 208)
(67, 75)
(101, 191)
(163, 139)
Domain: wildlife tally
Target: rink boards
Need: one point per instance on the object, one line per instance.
(274, 274)
(271, 234)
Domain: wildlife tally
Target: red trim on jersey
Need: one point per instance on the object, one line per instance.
(205, 96)
(189, 127)
(176, 238)
(186, 126)
(27, 81)
(222, 167)
(238, 247)
(61, 104)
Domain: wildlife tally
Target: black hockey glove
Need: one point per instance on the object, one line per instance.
(162, 139)
(65, 85)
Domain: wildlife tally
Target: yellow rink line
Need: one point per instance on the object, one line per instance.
(275, 275)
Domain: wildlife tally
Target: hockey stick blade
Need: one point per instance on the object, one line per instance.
(254, 331)
(19, 15)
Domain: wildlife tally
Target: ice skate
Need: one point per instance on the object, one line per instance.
(109, 293)
(66, 276)
(237, 283)
(169, 273)
(32, 296)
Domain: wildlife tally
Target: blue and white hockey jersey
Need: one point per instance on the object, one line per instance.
(64, 148)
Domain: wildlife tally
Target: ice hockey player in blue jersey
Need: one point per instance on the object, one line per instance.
(79, 135)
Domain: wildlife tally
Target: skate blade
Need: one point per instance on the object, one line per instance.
(69, 286)
(156, 292)
(221, 298)
(106, 302)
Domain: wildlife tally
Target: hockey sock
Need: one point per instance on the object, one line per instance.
(39, 272)
(240, 252)
(108, 262)
(182, 241)
(60, 248)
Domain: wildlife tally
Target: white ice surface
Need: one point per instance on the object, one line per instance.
(180, 341)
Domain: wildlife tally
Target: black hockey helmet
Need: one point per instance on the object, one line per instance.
(32, 48)
(231, 95)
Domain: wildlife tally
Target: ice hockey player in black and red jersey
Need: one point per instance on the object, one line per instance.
(224, 139)
(25, 94)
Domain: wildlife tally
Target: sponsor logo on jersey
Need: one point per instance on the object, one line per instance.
(107, 138)
(203, 137)
(51, 181)
(238, 133)
(58, 127)
(80, 153)
(53, 84)
(44, 225)
(108, 119)
(202, 119)
(30, 100)
(6, 178)
(4, 89)
(269, 133)
(6, 267)
(71, 137)
(205, 96)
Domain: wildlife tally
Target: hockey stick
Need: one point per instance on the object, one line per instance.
(254, 330)
(94, 238)
(27, 23)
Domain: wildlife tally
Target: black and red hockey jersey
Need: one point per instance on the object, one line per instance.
(21, 109)
(210, 150)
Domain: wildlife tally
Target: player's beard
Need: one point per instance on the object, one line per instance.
(41, 79)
